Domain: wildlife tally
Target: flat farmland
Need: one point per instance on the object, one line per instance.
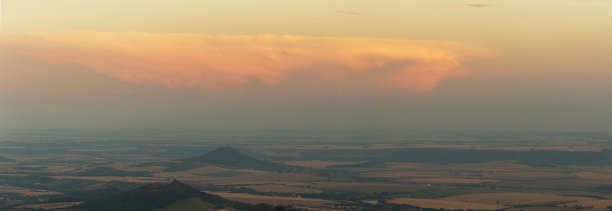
(451, 173)
(115, 178)
(194, 171)
(524, 175)
(452, 180)
(133, 166)
(52, 168)
(445, 204)
(510, 199)
(601, 177)
(318, 163)
(275, 200)
(26, 191)
(221, 176)
(493, 201)
(281, 189)
(368, 187)
(263, 178)
(51, 206)
(596, 203)
(571, 146)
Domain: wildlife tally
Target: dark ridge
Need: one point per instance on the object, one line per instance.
(225, 156)
(229, 157)
(175, 187)
(155, 196)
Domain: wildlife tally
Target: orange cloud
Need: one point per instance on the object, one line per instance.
(225, 63)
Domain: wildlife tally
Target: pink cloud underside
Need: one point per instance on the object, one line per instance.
(230, 63)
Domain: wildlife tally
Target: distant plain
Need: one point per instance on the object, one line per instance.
(352, 169)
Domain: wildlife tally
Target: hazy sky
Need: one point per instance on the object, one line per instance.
(277, 64)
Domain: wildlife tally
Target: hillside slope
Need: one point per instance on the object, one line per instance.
(231, 158)
(156, 196)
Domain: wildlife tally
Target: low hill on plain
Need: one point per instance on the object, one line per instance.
(230, 157)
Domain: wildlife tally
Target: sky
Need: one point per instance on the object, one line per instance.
(481, 65)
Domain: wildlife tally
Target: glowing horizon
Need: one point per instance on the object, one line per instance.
(411, 64)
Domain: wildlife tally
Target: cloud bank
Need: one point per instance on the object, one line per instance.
(234, 63)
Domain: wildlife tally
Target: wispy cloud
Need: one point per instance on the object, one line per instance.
(349, 12)
(477, 5)
(228, 63)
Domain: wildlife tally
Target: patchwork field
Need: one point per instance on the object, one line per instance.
(368, 187)
(596, 203)
(281, 189)
(465, 145)
(606, 178)
(133, 166)
(509, 199)
(50, 206)
(115, 178)
(452, 180)
(26, 191)
(492, 201)
(275, 200)
(445, 204)
(325, 172)
(318, 163)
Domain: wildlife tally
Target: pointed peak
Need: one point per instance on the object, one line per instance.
(176, 183)
(230, 157)
(225, 155)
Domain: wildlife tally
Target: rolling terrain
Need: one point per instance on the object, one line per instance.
(229, 157)
(324, 171)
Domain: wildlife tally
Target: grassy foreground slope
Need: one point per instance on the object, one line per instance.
(155, 196)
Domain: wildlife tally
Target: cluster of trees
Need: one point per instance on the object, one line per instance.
(581, 207)
(336, 196)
